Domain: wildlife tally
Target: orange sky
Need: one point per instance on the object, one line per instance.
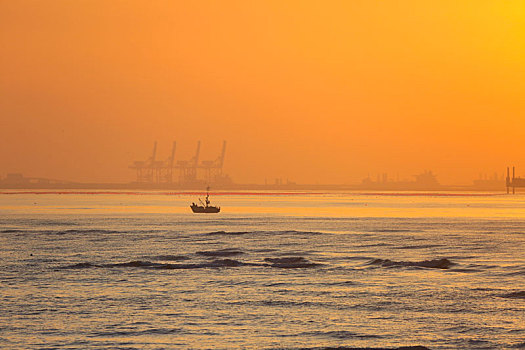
(313, 91)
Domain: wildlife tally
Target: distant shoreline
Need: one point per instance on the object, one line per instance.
(246, 193)
(241, 187)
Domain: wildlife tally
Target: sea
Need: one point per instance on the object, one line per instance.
(272, 270)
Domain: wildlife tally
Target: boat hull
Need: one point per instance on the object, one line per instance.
(206, 210)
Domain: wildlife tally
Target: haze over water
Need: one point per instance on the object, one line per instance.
(270, 271)
(310, 91)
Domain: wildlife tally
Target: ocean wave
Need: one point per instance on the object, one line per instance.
(62, 232)
(225, 263)
(80, 231)
(432, 264)
(394, 230)
(285, 232)
(299, 232)
(228, 233)
(468, 270)
(516, 273)
(342, 283)
(291, 262)
(287, 263)
(169, 257)
(421, 246)
(299, 304)
(340, 334)
(416, 347)
(358, 258)
(84, 265)
(137, 263)
(370, 245)
(277, 284)
(515, 295)
(151, 265)
(158, 331)
(220, 252)
(87, 265)
(212, 264)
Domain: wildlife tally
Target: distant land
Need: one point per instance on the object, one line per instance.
(425, 181)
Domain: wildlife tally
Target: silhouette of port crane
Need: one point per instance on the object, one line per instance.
(146, 168)
(213, 168)
(152, 171)
(514, 181)
(188, 169)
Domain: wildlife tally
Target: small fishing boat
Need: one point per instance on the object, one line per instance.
(205, 206)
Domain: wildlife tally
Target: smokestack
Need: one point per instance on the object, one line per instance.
(508, 180)
(513, 183)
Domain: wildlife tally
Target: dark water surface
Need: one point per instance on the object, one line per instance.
(271, 271)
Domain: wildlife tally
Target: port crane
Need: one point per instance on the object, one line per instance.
(213, 168)
(146, 168)
(192, 171)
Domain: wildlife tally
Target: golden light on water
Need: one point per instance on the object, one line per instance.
(334, 204)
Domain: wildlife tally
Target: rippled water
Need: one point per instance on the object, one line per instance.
(140, 271)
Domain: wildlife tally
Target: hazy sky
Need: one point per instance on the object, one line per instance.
(313, 91)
